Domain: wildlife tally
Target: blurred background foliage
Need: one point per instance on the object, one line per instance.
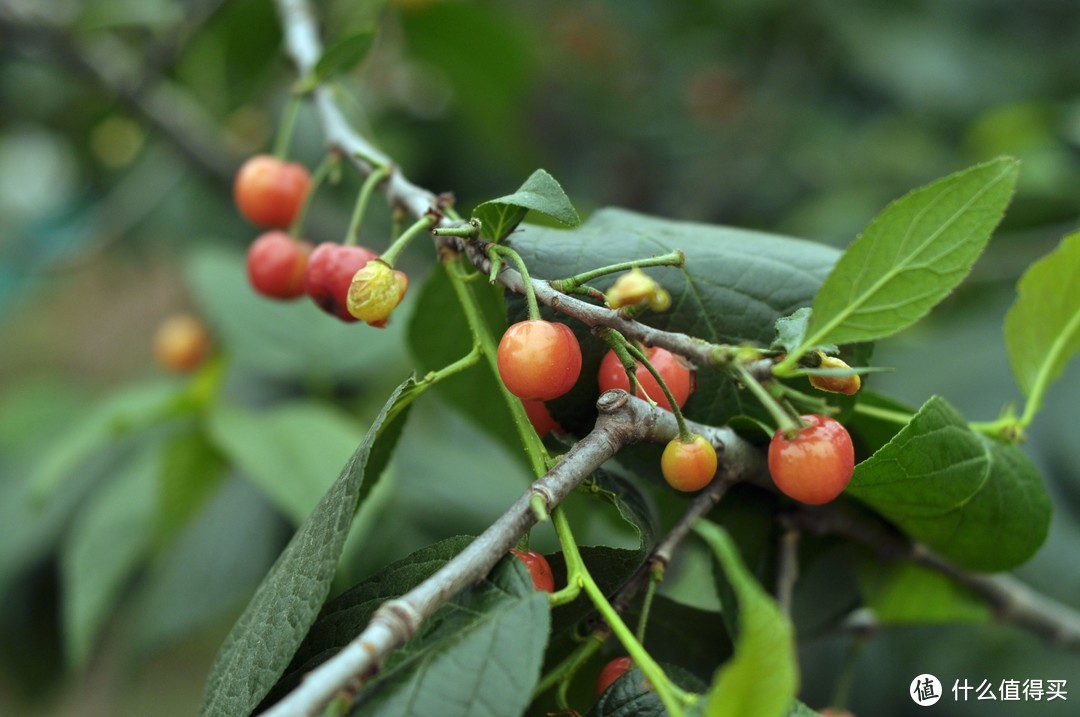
(137, 515)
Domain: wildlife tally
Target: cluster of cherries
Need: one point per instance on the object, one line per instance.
(349, 282)
(541, 360)
(538, 360)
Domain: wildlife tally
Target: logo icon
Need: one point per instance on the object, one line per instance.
(925, 690)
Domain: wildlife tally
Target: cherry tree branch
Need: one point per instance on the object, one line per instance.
(729, 473)
(397, 620)
(622, 420)
(1011, 601)
(303, 46)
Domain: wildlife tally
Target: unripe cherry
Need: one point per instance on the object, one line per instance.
(181, 343)
(375, 291)
(689, 466)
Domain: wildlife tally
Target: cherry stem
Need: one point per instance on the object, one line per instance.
(578, 575)
(815, 403)
(288, 123)
(519, 264)
(569, 284)
(884, 414)
(467, 361)
(846, 679)
(420, 226)
(784, 420)
(481, 335)
(329, 162)
(563, 673)
(670, 695)
(684, 433)
(618, 344)
(378, 174)
(539, 508)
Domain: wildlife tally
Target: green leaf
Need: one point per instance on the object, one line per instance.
(108, 539)
(690, 637)
(609, 567)
(791, 330)
(212, 567)
(911, 256)
(633, 505)
(540, 193)
(291, 452)
(123, 410)
(875, 430)
(264, 639)
(798, 709)
(341, 57)
(285, 339)
(346, 616)
(478, 656)
(762, 678)
(439, 334)
(734, 286)
(977, 502)
(191, 468)
(1042, 328)
(906, 594)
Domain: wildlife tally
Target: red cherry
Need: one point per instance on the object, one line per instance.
(330, 271)
(269, 192)
(540, 418)
(679, 378)
(276, 263)
(611, 672)
(539, 360)
(688, 466)
(814, 466)
(539, 569)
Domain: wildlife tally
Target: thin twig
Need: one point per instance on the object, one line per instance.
(732, 470)
(787, 572)
(1011, 600)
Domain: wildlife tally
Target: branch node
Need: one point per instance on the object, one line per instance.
(400, 617)
(612, 401)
